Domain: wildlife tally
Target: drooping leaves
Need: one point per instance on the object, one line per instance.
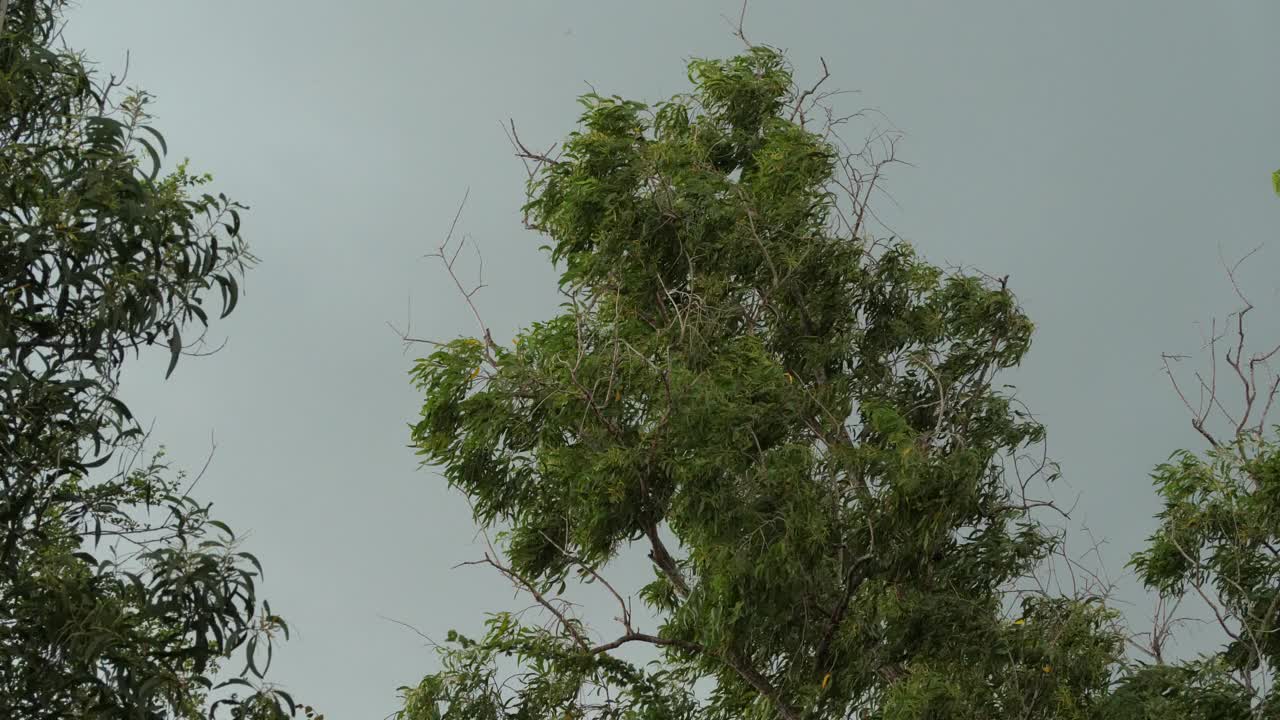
(120, 596)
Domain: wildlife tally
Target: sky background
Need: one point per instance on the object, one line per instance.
(1102, 154)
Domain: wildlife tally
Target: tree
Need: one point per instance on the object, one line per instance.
(120, 595)
(802, 423)
(1218, 541)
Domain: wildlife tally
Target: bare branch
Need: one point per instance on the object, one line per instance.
(448, 259)
(798, 110)
(738, 27)
(1258, 381)
(515, 578)
(588, 569)
(418, 632)
(650, 639)
(523, 152)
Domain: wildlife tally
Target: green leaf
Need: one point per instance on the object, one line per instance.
(164, 147)
(251, 558)
(230, 294)
(119, 406)
(293, 706)
(175, 350)
(250, 652)
(105, 259)
(155, 158)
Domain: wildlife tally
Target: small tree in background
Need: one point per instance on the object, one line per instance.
(120, 595)
(1218, 542)
(802, 424)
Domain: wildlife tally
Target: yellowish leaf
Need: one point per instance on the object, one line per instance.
(826, 680)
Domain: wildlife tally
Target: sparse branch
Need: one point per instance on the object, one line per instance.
(752, 677)
(625, 619)
(1258, 381)
(1223, 616)
(449, 259)
(1197, 416)
(650, 639)
(415, 630)
(406, 336)
(739, 27)
(522, 151)
(798, 109)
(1163, 622)
(529, 587)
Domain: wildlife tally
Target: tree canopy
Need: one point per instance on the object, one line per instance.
(813, 416)
(805, 427)
(121, 596)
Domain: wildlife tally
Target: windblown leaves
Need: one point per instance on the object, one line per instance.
(120, 596)
(812, 415)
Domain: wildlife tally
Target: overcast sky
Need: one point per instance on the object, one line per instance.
(1100, 153)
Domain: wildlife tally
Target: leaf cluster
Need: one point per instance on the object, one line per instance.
(811, 413)
(120, 595)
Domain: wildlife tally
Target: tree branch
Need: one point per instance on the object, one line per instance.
(569, 627)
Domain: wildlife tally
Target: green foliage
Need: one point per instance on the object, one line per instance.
(811, 413)
(1218, 535)
(1199, 690)
(106, 611)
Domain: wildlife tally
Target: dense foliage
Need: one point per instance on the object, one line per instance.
(802, 424)
(120, 595)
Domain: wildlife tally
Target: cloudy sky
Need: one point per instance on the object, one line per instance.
(1102, 154)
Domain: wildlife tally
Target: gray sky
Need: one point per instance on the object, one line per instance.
(1098, 152)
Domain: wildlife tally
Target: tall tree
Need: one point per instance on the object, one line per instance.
(120, 595)
(803, 424)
